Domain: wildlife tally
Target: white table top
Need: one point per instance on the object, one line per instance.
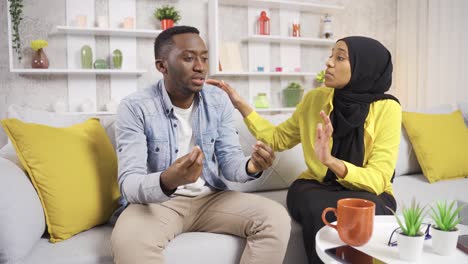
(377, 246)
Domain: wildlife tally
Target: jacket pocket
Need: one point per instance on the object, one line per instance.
(158, 155)
(209, 140)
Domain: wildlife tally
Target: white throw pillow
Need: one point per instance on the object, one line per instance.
(22, 220)
(407, 162)
(286, 168)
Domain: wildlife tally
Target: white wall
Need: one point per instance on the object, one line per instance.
(373, 18)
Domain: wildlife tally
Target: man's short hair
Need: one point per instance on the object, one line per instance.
(164, 41)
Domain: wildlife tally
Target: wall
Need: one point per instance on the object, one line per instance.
(373, 18)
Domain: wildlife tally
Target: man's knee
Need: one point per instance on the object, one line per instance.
(277, 219)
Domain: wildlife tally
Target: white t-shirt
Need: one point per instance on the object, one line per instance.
(186, 143)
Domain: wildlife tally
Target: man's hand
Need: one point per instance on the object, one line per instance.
(262, 158)
(186, 169)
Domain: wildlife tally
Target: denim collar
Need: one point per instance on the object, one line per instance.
(166, 100)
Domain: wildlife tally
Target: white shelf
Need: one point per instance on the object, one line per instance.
(117, 32)
(98, 113)
(290, 40)
(281, 109)
(285, 74)
(78, 71)
(289, 5)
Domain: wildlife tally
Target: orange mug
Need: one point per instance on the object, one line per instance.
(355, 220)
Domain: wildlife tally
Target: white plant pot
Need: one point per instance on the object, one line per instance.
(444, 242)
(410, 248)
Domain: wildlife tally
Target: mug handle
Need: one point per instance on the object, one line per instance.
(324, 213)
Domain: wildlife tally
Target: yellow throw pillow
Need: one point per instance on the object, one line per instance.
(74, 171)
(440, 142)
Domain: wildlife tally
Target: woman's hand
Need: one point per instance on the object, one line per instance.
(322, 147)
(322, 140)
(239, 103)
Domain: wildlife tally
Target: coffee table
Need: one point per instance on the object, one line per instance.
(377, 246)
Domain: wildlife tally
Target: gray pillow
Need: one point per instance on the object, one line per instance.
(22, 220)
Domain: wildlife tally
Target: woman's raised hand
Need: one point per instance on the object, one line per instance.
(239, 103)
(322, 140)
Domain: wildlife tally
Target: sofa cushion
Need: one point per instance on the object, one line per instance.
(74, 171)
(30, 115)
(286, 167)
(463, 106)
(407, 162)
(440, 142)
(417, 186)
(22, 220)
(93, 246)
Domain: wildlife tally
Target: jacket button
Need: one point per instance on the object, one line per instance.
(157, 149)
(176, 151)
(175, 125)
(167, 111)
(212, 140)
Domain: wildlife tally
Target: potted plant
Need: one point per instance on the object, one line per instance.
(292, 94)
(16, 14)
(445, 231)
(168, 15)
(39, 59)
(409, 236)
(320, 78)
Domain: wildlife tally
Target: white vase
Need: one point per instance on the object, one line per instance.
(410, 248)
(444, 242)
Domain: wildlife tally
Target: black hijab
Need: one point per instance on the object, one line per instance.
(371, 77)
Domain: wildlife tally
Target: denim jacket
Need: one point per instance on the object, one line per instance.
(146, 135)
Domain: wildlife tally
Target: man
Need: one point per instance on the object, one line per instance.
(172, 139)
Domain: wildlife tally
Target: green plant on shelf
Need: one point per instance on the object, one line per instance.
(320, 78)
(167, 12)
(38, 44)
(445, 216)
(413, 217)
(294, 85)
(16, 13)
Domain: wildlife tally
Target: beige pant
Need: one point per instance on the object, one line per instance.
(142, 232)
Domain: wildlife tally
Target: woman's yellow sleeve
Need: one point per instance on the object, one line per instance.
(282, 137)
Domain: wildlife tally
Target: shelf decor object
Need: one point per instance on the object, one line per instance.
(168, 16)
(39, 59)
(100, 64)
(86, 57)
(117, 59)
(293, 94)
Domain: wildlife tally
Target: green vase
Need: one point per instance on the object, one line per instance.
(100, 64)
(292, 96)
(117, 59)
(86, 57)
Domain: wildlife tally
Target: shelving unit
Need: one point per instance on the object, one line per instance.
(115, 32)
(292, 40)
(261, 51)
(78, 72)
(278, 74)
(82, 82)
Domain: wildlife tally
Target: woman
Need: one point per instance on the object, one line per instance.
(349, 133)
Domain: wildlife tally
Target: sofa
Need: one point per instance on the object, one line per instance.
(22, 225)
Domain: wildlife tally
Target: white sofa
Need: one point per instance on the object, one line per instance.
(22, 221)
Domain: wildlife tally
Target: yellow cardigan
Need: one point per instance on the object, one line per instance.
(381, 140)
